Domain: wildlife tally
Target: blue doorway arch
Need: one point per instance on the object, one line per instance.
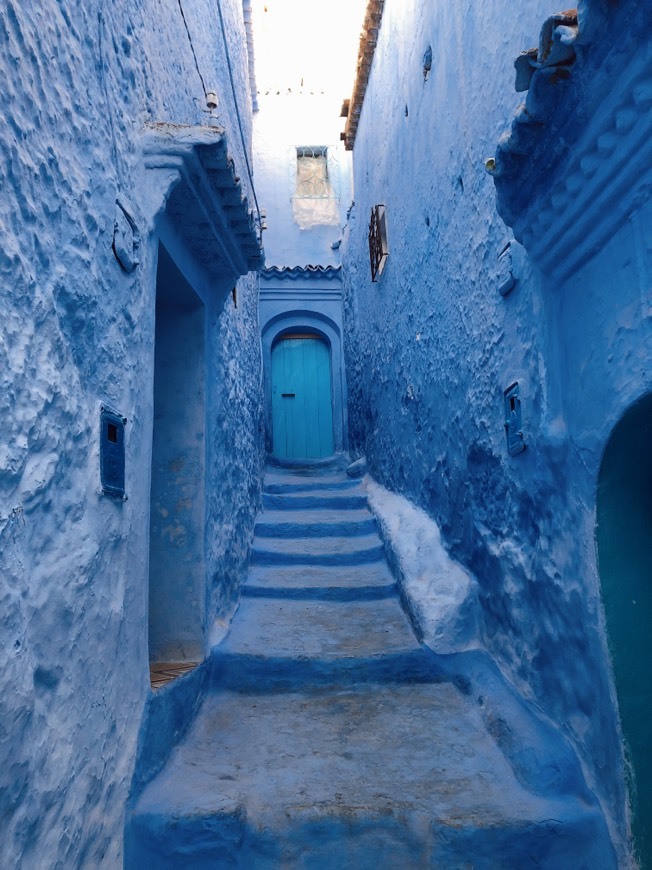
(624, 540)
(302, 404)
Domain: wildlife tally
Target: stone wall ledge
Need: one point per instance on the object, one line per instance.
(301, 282)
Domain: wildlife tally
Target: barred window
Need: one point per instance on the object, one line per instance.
(312, 174)
(314, 197)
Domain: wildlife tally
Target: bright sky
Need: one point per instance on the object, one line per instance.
(316, 43)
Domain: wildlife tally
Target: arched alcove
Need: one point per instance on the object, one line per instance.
(624, 541)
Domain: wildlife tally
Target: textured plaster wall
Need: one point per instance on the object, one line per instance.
(604, 369)
(431, 347)
(235, 451)
(287, 121)
(79, 82)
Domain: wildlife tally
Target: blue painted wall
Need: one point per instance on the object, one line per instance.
(79, 83)
(432, 346)
(284, 122)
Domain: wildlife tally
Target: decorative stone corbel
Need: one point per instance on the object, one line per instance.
(578, 157)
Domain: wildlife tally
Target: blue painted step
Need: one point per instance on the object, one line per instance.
(352, 583)
(314, 500)
(323, 630)
(365, 777)
(357, 550)
(314, 523)
(284, 485)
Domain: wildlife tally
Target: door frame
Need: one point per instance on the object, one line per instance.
(326, 329)
(294, 415)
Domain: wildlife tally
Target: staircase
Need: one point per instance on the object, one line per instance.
(329, 737)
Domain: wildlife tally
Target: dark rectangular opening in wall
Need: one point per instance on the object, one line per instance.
(112, 453)
(513, 420)
(177, 584)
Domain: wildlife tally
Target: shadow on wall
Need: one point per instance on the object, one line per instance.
(624, 540)
(177, 569)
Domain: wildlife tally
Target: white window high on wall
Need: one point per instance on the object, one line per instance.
(315, 193)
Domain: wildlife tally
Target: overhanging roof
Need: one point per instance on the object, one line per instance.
(206, 205)
(368, 40)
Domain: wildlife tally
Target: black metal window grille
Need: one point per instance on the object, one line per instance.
(378, 251)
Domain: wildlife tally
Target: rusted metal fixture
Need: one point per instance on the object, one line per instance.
(378, 248)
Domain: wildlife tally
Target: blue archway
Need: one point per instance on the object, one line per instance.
(624, 541)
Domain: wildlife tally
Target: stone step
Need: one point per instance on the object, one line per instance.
(286, 485)
(351, 583)
(260, 673)
(359, 550)
(315, 500)
(365, 777)
(321, 630)
(336, 464)
(318, 523)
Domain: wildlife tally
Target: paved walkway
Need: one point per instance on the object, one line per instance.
(331, 738)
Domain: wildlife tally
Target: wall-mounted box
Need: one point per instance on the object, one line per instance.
(112, 453)
(513, 421)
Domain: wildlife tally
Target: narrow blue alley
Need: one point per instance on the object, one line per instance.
(326, 404)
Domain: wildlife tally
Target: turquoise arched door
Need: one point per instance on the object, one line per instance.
(624, 537)
(302, 407)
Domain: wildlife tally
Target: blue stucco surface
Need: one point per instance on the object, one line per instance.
(285, 122)
(128, 217)
(431, 348)
(80, 83)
